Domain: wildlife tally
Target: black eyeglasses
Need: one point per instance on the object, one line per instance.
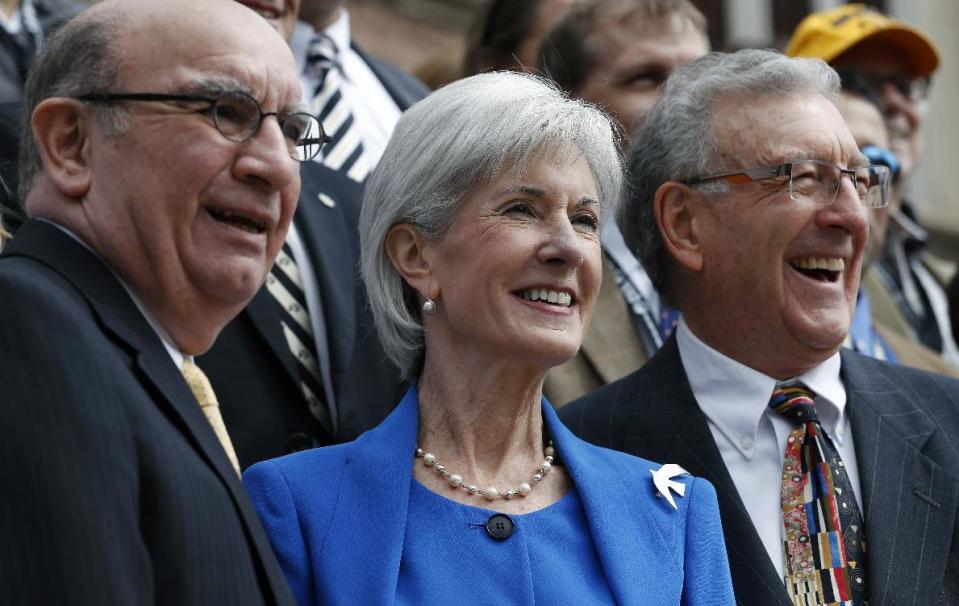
(238, 116)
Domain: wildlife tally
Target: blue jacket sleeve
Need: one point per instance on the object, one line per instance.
(707, 580)
(274, 504)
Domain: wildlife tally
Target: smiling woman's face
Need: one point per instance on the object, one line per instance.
(519, 270)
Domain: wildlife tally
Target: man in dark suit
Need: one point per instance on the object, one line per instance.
(159, 194)
(764, 264)
(252, 366)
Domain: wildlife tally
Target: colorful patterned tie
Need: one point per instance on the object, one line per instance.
(344, 152)
(823, 533)
(206, 398)
(285, 283)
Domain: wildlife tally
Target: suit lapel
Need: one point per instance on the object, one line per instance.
(909, 500)
(370, 514)
(120, 317)
(392, 80)
(669, 427)
(612, 351)
(619, 524)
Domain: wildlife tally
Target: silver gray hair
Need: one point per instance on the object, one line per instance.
(460, 137)
(677, 142)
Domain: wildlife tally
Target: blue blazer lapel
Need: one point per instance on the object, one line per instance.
(370, 514)
(617, 511)
(910, 499)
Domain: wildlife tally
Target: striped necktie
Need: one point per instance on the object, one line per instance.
(822, 529)
(206, 398)
(285, 283)
(344, 152)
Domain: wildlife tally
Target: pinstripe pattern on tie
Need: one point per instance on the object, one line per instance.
(344, 152)
(822, 529)
(285, 283)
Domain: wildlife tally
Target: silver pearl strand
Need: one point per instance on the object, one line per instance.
(490, 492)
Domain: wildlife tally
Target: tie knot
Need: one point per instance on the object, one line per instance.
(322, 52)
(795, 402)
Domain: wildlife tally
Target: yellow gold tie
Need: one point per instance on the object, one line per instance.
(203, 391)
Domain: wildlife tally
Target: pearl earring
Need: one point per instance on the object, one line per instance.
(429, 307)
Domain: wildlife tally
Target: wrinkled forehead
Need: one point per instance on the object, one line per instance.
(235, 49)
(775, 128)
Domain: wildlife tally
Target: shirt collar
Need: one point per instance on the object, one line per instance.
(165, 338)
(23, 19)
(734, 397)
(303, 34)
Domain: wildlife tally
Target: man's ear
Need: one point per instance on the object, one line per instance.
(408, 251)
(676, 215)
(60, 131)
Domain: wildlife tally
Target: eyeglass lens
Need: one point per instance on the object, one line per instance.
(822, 181)
(238, 116)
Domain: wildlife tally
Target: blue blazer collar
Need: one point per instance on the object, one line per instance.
(378, 476)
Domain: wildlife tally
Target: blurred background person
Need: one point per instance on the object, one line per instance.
(505, 35)
(472, 482)
(302, 365)
(895, 63)
(357, 96)
(24, 24)
(616, 54)
(867, 335)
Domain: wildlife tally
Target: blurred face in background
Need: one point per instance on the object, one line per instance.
(868, 128)
(633, 57)
(280, 13)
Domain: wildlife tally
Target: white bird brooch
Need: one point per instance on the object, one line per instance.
(664, 482)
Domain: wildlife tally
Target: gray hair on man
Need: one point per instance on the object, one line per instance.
(461, 136)
(677, 142)
(79, 58)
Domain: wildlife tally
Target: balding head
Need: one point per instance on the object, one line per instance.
(188, 217)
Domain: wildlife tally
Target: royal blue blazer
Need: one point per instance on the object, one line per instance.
(336, 518)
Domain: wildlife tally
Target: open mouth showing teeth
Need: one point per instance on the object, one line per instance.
(822, 269)
(553, 297)
(238, 221)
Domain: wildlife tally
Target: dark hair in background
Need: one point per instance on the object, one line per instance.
(567, 55)
(497, 36)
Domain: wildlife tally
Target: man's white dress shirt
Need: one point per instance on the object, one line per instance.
(751, 437)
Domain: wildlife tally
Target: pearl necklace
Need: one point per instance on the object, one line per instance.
(491, 492)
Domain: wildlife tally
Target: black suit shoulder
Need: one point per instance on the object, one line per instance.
(403, 87)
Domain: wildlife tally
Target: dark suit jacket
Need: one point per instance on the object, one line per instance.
(404, 88)
(252, 369)
(116, 490)
(906, 428)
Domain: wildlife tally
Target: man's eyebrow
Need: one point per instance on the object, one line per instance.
(859, 161)
(586, 201)
(217, 84)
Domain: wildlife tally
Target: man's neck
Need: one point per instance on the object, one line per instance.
(9, 7)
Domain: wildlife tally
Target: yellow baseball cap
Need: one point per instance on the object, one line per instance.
(828, 34)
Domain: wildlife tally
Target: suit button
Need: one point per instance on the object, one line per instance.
(298, 442)
(500, 527)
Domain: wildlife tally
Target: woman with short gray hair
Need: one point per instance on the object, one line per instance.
(481, 255)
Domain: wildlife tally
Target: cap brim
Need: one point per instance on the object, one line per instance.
(922, 55)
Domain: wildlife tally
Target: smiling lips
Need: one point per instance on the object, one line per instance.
(553, 297)
(246, 224)
(823, 269)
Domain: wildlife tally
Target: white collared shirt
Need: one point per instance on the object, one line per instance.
(175, 354)
(374, 110)
(751, 437)
(615, 246)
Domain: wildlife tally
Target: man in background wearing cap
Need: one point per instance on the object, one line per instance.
(894, 62)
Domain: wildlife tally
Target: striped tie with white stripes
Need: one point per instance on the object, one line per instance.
(286, 285)
(344, 152)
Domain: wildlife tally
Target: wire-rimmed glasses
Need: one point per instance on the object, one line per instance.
(816, 180)
(237, 116)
